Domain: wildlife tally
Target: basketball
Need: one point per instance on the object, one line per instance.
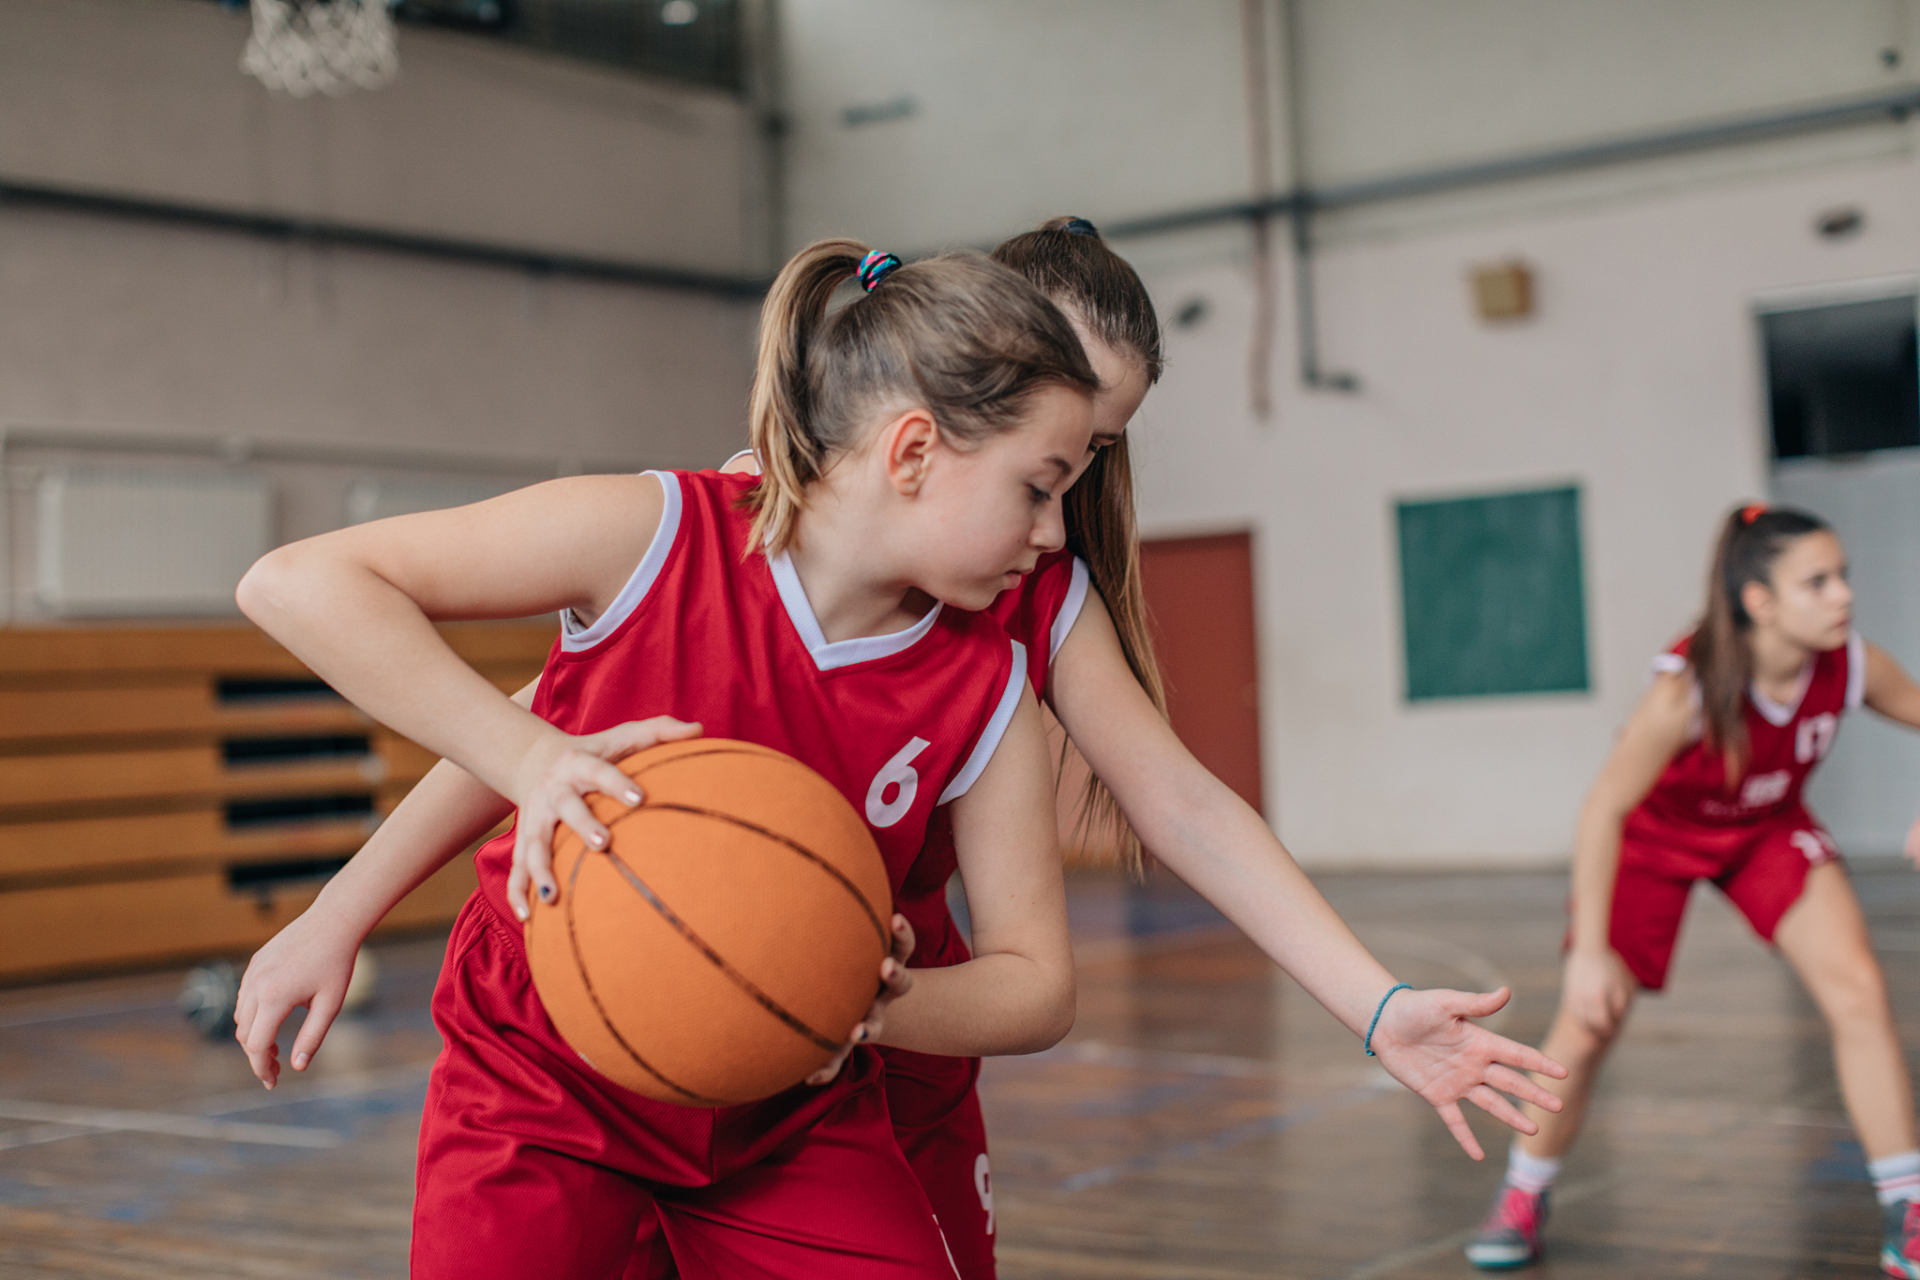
(730, 938)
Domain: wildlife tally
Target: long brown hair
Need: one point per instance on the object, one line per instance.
(959, 335)
(1752, 539)
(1066, 258)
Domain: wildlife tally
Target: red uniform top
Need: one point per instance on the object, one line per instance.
(1038, 614)
(704, 631)
(1690, 805)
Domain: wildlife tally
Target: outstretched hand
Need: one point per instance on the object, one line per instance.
(895, 981)
(560, 776)
(1426, 1041)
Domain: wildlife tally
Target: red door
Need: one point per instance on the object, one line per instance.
(1200, 606)
(1200, 603)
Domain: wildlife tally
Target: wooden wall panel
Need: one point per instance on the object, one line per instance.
(143, 768)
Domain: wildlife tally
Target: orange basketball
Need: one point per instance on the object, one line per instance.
(730, 938)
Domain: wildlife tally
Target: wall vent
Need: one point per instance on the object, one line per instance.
(145, 543)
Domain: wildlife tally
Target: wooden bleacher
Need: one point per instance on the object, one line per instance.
(177, 793)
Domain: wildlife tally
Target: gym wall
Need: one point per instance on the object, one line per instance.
(136, 325)
(1637, 379)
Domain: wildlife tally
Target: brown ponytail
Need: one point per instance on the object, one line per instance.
(959, 335)
(1066, 258)
(1752, 538)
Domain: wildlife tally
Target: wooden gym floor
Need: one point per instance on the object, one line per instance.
(1205, 1119)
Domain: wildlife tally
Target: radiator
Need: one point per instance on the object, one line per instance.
(143, 543)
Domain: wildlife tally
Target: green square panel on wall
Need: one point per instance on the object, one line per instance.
(1491, 595)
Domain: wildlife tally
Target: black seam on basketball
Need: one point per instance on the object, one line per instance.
(717, 960)
(852, 888)
(695, 755)
(586, 980)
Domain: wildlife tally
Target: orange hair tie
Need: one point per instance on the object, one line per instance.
(1751, 513)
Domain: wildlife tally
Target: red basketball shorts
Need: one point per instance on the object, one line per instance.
(1762, 872)
(936, 1118)
(532, 1165)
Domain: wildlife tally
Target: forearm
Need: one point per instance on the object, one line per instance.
(1215, 842)
(374, 645)
(993, 1004)
(439, 818)
(1596, 863)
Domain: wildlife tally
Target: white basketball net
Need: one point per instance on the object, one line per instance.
(332, 46)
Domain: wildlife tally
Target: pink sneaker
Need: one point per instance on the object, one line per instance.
(1510, 1234)
(1900, 1247)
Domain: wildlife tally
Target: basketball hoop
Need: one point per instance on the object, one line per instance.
(332, 46)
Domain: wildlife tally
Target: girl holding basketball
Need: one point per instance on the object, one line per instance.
(1081, 617)
(917, 441)
(1705, 783)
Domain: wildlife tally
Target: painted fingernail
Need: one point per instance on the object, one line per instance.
(522, 913)
(633, 797)
(597, 839)
(860, 1034)
(546, 892)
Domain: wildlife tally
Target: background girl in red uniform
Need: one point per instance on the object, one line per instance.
(1705, 784)
(1081, 616)
(917, 441)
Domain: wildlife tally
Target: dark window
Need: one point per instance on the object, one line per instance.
(699, 41)
(1843, 378)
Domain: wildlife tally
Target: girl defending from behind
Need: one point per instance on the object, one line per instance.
(1705, 784)
(917, 441)
(1081, 617)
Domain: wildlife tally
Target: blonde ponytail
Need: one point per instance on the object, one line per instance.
(959, 335)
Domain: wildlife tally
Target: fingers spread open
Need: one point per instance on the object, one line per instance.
(1526, 1058)
(1521, 1087)
(1500, 1109)
(1457, 1125)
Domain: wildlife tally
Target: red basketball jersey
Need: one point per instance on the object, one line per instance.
(1690, 805)
(1037, 614)
(705, 631)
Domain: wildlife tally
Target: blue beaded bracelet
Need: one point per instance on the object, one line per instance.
(1379, 1009)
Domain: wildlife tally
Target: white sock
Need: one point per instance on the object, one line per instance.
(1534, 1174)
(1896, 1178)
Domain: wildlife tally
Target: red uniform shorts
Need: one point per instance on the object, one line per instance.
(1761, 869)
(533, 1165)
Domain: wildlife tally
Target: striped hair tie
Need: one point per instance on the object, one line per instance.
(875, 267)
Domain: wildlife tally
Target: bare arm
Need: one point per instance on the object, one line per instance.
(1016, 994)
(1598, 984)
(357, 606)
(1892, 693)
(1218, 844)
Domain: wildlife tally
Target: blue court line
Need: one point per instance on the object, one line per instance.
(1358, 1096)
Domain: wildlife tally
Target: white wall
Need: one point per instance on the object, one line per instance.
(139, 326)
(1638, 378)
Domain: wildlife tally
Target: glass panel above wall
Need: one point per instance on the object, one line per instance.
(694, 41)
(1842, 378)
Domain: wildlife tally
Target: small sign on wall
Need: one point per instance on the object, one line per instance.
(1492, 596)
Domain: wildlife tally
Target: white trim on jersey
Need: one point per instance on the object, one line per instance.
(1069, 609)
(996, 728)
(1856, 671)
(744, 453)
(1776, 714)
(573, 637)
(1669, 664)
(840, 653)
